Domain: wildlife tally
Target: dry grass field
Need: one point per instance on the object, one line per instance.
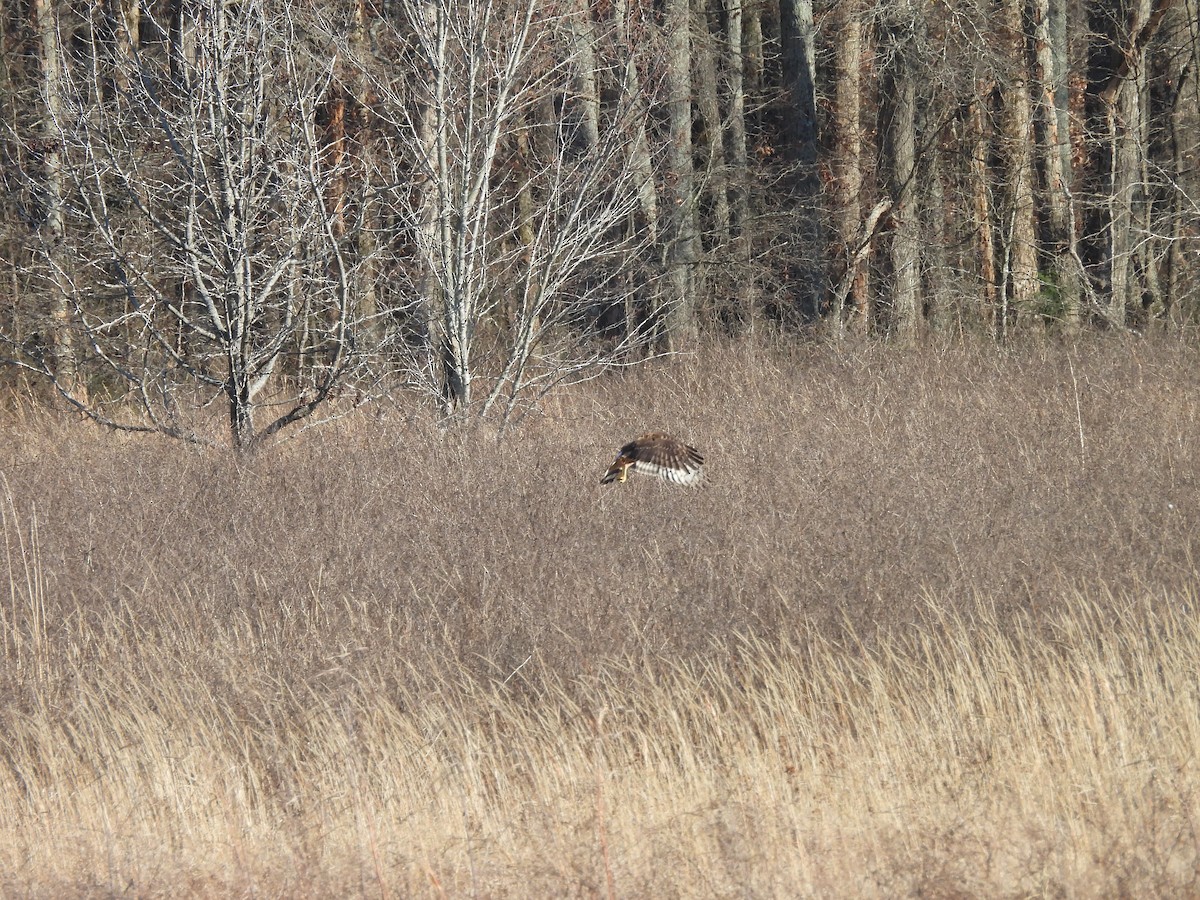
(930, 629)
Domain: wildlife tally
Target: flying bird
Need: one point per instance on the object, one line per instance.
(657, 454)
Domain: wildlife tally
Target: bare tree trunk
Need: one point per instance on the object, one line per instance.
(1144, 21)
(62, 341)
(848, 138)
(906, 239)
(637, 154)
(736, 143)
(525, 162)
(941, 310)
(1184, 131)
(1126, 191)
(1052, 56)
(1017, 143)
(1123, 128)
(368, 224)
(587, 95)
(679, 314)
(129, 18)
(712, 130)
(638, 145)
(754, 43)
(117, 29)
(1121, 105)
(797, 38)
(334, 115)
(430, 285)
(181, 42)
(990, 302)
(450, 331)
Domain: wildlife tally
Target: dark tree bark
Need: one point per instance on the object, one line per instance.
(906, 235)
(799, 76)
(587, 95)
(736, 137)
(678, 310)
(1052, 57)
(63, 352)
(1182, 286)
(638, 145)
(754, 43)
(1018, 223)
(848, 139)
(979, 144)
(712, 130)
(1118, 117)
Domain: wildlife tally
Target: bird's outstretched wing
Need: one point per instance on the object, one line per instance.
(660, 455)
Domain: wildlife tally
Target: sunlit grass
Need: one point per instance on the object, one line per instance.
(928, 650)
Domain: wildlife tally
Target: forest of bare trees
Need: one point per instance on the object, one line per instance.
(260, 206)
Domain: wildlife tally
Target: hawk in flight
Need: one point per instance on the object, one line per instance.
(657, 454)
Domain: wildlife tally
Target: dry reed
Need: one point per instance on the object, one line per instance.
(929, 630)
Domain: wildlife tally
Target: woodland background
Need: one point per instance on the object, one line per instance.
(273, 204)
(920, 280)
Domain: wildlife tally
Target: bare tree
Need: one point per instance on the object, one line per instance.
(678, 315)
(51, 187)
(1052, 59)
(978, 139)
(755, 44)
(628, 30)
(1182, 75)
(1020, 270)
(586, 90)
(712, 133)
(797, 37)
(1120, 120)
(901, 88)
(738, 159)
(477, 72)
(848, 138)
(194, 201)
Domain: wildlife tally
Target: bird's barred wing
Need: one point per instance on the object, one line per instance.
(659, 455)
(689, 475)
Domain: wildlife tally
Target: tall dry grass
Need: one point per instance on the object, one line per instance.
(929, 629)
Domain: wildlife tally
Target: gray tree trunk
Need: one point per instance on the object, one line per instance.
(1052, 56)
(1017, 139)
(797, 33)
(906, 235)
(587, 95)
(678, 313)
(990, 302)
(438, 328)
(1185, 151)
(1125, 182)
(712, 130)
(181, 42)
(638, 145)
(61, 338)
(754, 43)
(848, 139)
(736, 135)
(368, 225)
(637, 155)
(1125, 104)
